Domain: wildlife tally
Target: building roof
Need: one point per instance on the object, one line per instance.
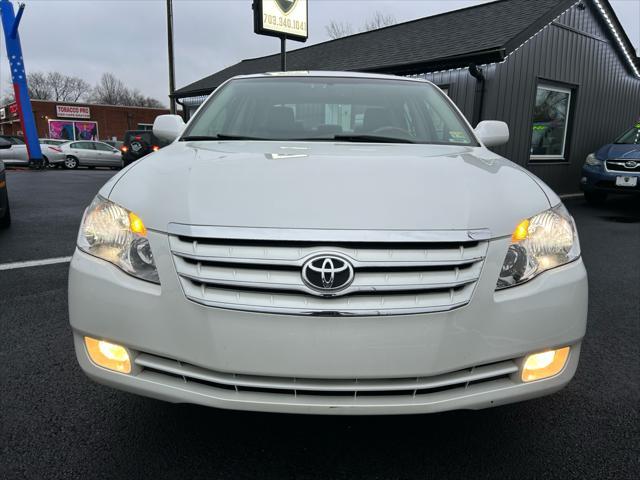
(481, 34)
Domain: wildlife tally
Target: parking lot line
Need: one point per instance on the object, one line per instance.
(34, 263)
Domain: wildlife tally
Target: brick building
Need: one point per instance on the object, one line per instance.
(79, 120)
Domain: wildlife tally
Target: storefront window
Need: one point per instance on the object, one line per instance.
(550, 120)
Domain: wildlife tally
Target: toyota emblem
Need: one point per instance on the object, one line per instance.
(327, 274)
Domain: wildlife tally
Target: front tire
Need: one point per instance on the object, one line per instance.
(71, 163)
(5, 221)
(595, 198)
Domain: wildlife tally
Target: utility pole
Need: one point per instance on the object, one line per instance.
(283, 53)
(172, 72)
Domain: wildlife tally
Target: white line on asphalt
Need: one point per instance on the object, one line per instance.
(34, 263)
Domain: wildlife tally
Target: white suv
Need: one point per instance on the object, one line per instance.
(329, 243)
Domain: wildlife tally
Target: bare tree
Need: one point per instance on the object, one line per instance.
(136, 98)
(57, 86)
(379, 20)
(338, 29)
(110, 90)
(7, 97)
(153, 103)
(39, 88)
(67, 88)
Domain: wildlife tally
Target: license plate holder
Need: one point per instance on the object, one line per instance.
(626, 181)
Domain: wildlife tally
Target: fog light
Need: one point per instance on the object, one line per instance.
(544, 364)
(108, 355)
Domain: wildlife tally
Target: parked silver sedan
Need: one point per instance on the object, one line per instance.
(17, 153)
(91, 154)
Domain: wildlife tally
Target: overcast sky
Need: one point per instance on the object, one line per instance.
(128, 37)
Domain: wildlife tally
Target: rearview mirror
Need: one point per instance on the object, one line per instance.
(492, 133)
(168, 127)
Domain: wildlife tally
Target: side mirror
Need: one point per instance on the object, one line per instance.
(168, 127)
(492, 133)
(4, 144)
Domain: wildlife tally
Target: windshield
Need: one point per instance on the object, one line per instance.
(631, 136)
(324, 109)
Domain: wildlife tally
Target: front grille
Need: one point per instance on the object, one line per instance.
(390, 277)
(628, 166)
(413, 387)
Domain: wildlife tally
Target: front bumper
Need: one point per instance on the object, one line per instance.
(168, 335)
(598, 179)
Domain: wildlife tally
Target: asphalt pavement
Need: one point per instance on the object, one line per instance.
(55, 423)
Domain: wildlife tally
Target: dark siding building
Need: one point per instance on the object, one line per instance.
(562, 74)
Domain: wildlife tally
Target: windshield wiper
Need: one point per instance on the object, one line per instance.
(345, 138)
(220, 136)
(371, 139)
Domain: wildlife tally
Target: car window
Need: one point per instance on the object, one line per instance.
(14, 140)
(103, 147)
(139, 136)
(319, 109)
(631, 136)
(83, 145)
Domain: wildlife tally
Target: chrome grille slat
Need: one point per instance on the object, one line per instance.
(391, 278)
(257, 278)
(356, 263)
(397, 304)
(458, 378)
(295, 255)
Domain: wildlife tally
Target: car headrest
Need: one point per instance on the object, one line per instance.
(375, 118)
(280, 119)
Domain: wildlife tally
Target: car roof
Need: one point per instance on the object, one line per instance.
(331, 74)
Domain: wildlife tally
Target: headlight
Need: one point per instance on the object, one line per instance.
(592, 160)
(538, 244)
(118, 236)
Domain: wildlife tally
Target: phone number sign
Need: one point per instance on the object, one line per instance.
(282, 18)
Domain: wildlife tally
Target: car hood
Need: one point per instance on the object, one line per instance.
(620, 152)
(328, 186)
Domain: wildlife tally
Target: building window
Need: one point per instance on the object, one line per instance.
(550, 123)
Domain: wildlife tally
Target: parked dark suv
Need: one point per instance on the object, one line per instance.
(138, 143)
(614, 168)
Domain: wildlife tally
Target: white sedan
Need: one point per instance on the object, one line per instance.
(328, 243)
(90, 154)
(18, 155)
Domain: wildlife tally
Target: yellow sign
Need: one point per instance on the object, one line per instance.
(282, 18)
